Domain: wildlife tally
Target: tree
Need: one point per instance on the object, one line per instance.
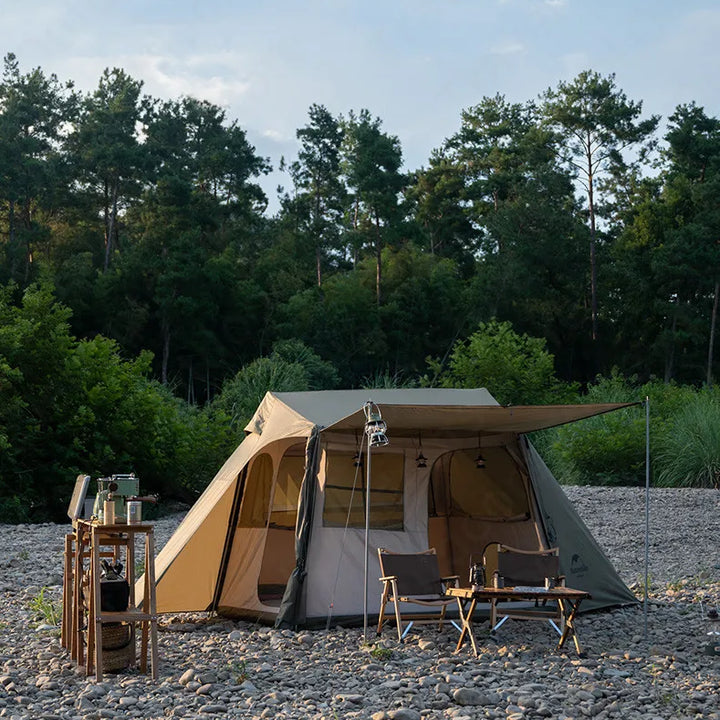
(688, 261)
(438, 199)
(72, 406)
(372, 166)
(595, 123)
(320, 192)
(181, 266)
(34, 110)
(520, 204)
(107, 149)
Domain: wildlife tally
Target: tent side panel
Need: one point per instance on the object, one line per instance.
(189, 582)
(582, 560)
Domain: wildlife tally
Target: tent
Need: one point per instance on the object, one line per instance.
(279, 533)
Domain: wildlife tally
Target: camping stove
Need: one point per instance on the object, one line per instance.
(121, 488)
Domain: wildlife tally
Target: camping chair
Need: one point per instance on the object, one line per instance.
(413, 578)
(506, 566)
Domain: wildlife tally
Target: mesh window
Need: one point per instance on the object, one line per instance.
(460, 489)
(287, 490)
(256, 498)
(386, 492)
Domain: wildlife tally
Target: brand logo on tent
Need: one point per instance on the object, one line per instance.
(577, 565)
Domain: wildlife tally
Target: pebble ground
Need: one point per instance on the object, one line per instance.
(216, 668)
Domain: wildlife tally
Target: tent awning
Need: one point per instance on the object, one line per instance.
(439, 421)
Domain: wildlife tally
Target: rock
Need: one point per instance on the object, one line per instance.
(470, 696)
(403, 714)
(213, 708)
(187, 676)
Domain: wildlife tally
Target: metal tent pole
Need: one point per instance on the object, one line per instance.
(367, 534)
(375, 428)
(647, 513)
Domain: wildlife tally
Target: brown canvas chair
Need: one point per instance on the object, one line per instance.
(506, 566)
(413, 579)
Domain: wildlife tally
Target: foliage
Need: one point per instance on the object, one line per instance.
(242, 394)
(76, 406)
(609, 449)
(321, 375)
(690, 453)
(516, 369)
(45, 608)
(146, 217)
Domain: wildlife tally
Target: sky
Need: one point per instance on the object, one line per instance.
(416, 64)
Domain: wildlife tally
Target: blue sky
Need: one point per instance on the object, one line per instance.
(414, 63)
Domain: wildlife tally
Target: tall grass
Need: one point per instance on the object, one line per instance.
(690, 453)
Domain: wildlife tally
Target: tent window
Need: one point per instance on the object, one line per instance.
(287, 490)
(386, 492)
(256, 499)
(460, 489)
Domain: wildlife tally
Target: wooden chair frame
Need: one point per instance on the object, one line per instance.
(509, 566)
(413, 579)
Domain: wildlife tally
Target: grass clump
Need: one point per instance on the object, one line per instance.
(690, 455)
(45, 608)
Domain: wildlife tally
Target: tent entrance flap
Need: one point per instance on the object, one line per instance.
(290, 613)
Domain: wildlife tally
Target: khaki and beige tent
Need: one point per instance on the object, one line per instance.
(279, 534)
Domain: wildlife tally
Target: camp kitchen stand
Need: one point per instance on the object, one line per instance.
(82, 626)
(568, 599)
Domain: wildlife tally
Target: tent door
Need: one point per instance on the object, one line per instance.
(278, 559)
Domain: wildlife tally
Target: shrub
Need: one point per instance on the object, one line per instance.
(690, 452)
(609, 449)
(516, 369)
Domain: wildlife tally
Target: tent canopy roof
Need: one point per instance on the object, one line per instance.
(433, 411)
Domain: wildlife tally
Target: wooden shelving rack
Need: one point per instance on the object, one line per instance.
(83, 620)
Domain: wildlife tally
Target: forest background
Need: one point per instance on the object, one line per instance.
(564, 249)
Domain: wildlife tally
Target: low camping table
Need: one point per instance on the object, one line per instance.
(568, 599)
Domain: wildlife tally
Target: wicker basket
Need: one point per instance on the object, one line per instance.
(118, 650)
(116, 660)
(115, 636)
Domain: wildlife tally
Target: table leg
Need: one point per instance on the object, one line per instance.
(467, 630)
(569, 630)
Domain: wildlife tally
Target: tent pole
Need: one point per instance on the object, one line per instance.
(647, 513)
(367, 534)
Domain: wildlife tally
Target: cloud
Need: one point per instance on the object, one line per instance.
(510, 47)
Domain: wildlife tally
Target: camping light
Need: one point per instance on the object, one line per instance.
(420, 460)
(375, 426)
(479, 460)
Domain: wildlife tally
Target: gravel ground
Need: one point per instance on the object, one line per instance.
(214, 668)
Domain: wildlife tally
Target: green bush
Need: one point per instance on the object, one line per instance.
(516, 369)
(72, 406)
(690, 453)
(609, 449)
(241, 395)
